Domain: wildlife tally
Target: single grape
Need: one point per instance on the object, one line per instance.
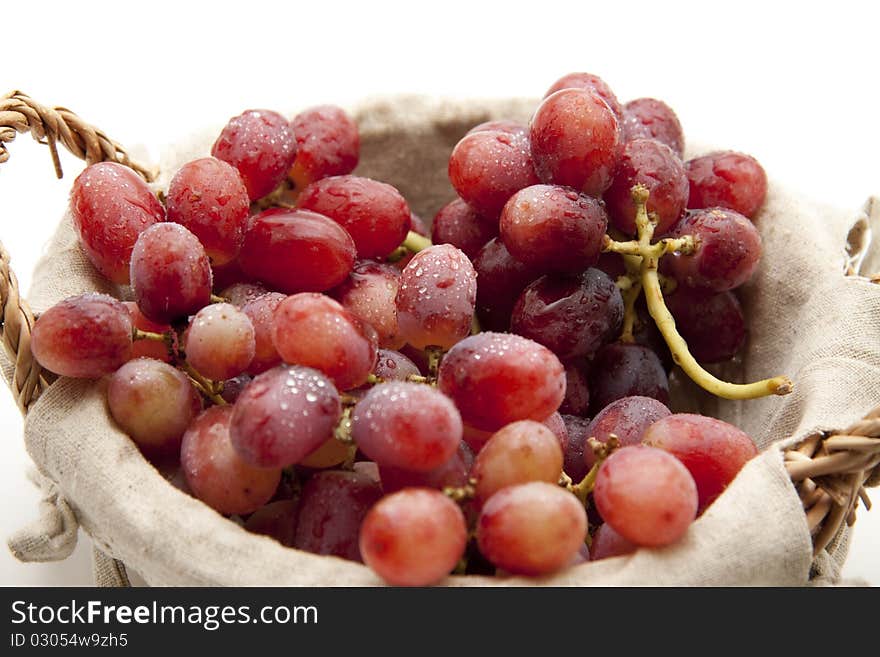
(413, 537)
(460, 225)
(577, 389)
(369, 293)
(374, 213)
(453, 473)
(501, 125)
(627, 418)
(553, 229)
(232, 387)
(502, 279)
(153, 403)
(149, 348)
(436, 297)
(727, 179)
(728, 250)
(518, 453)
(332, 509)
(646, 495)
(261, 145)
(328, 144)
(649, 118)
(215, 472)
(314, 330)
(608, 543)
(654, 165)
(623, 370)
(591, 83)
(276, 519)
(571, 316)
(406, 425)
(712, 324)
(261, 312)
(712, 450)
(573, 455)
(85, 336)
(111, 205)
(498, 378)
(170, 273)
(487, 167)
(209, 198)
(219, 342)
(557, 427)
(283, 415)
(296, 251)
(531, 529)
(394, 366)
(575, 141)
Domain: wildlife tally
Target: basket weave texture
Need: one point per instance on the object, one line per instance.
(779, 523)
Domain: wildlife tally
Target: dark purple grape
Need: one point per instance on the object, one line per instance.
(626, 418)
(578, 431)
(713, 325)
(571, 316)
(458, 224)
(577, 389)
(626, 370)
(501, 279)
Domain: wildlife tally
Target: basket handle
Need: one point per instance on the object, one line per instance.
(20, 114)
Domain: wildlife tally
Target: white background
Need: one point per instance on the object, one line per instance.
(794, 84)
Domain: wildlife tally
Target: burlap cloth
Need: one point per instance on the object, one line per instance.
(807, 321)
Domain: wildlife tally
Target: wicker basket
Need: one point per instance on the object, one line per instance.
(829, 469)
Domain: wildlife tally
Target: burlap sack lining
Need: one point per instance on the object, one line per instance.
(754, 534)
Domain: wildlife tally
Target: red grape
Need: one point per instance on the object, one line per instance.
(498, 378)
(646, 495)
(729, 180)
(369, 293)
(170, 273)
(374, 213)
(328, 144)
(502, 279)
(85, 336)
(531, 529)
(608, 543)
(148, 348)
(314, 330)
(219, 342)
(713, 325)
(296, 251)
(209, 198)
(626, 369)
(590, 82)
(557, 427)
(626, 418)
(501, 125)
(553, 229)
(418, 225)
(487, 167)
(458, 224)
(727, 253)
(394, 366)
(575, 140)
(571, 316)
(215, 472)
(518, 453)
(712, 450)
(573, 454)
(283, 415)
(261, 312)
(413, 537)
(436, 297)
(650, 118)
(577, 389)
(261, 145)
(153, 403)
(406, 425)
(453, 473)
(276, 519)
(111, 205)
(332, 508)
(655, 166)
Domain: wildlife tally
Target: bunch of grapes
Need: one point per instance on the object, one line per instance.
(492, 400)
